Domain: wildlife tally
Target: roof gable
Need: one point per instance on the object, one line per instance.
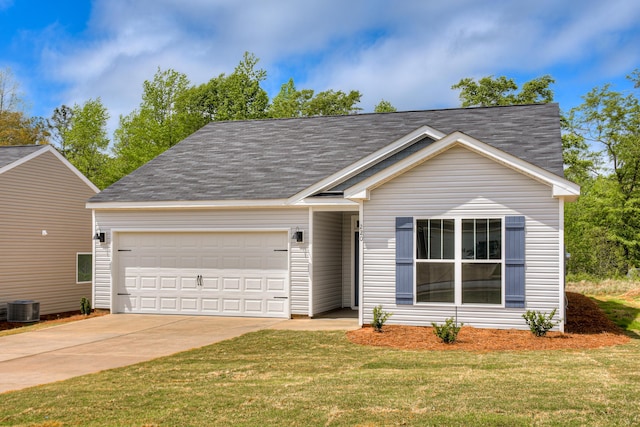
(14, 156)
(286, 159)
(560, 186)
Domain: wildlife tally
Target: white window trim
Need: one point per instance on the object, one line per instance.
(458, 261)
(92, 267)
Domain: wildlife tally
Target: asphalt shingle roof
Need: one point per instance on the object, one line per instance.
(13, 153)
(275, 159)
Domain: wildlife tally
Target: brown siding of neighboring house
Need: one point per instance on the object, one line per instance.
(43, 194)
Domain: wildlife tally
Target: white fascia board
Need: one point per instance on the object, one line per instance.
(345, 205)
(561, 187)
(568, 194)
(334, 201)
(368, 161)
(187, 204)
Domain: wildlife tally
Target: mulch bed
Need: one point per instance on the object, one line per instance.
(586, 327)
(69, 316)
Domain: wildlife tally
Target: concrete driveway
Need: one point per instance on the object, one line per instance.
(115, 340)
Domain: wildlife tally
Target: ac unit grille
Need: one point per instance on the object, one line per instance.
(23, 311)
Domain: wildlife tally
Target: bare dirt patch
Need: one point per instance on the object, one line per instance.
(586, 327)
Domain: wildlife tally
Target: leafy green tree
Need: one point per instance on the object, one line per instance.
(384, 106)
(610, 121)
(332, 103)
(589, 226)
(156, 126)
(242, 97)
(171, 109)
(490, 91)
(291, 102)
(237, 96)
(81, 132)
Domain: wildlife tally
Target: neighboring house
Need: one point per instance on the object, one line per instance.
(45, 229)
(431, 214)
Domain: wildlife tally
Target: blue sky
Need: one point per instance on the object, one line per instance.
(408, 52)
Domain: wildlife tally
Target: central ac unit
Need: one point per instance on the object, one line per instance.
(23, 311)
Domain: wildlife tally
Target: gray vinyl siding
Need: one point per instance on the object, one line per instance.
(327, 261)
(206, 219)
(43, 194)
(462, 183)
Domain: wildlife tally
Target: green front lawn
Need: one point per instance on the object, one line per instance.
(294, 378)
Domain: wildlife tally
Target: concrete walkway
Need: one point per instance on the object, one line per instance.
(115, 340)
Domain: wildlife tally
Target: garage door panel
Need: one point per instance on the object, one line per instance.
(275, 306)
(149, 282)
(210, 262)
(131, 283)
(241, 273)
(169, 304)
(210, 305)
(276, 284)
(231, 283)
(231, 305)
(188, 283)
(168, 262)
(210, 284)
(253, 284)
(231, 262)
(169, 283)
(189, 304)
(149, 262)
(254, 306)
(148, 303)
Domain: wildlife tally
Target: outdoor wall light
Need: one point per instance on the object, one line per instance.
(99, 236)
(298, 236)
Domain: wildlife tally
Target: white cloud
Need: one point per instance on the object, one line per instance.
(408, 52)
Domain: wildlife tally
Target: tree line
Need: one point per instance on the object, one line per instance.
(601, 153)
(600, 138)
(170, 110)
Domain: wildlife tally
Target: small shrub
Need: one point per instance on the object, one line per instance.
(448, 332)
(539, 323)
(379, 318)
(85, 306)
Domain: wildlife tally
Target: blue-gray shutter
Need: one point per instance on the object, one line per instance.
(514, 261)
(404, 260)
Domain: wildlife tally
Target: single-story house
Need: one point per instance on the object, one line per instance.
(45, 230)
(430, 214)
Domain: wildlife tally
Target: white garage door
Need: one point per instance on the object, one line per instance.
(230, 274)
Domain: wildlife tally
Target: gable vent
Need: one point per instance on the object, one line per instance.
(23, 311)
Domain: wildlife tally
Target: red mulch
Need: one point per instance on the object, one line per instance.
(586, 327)
(54, 319)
